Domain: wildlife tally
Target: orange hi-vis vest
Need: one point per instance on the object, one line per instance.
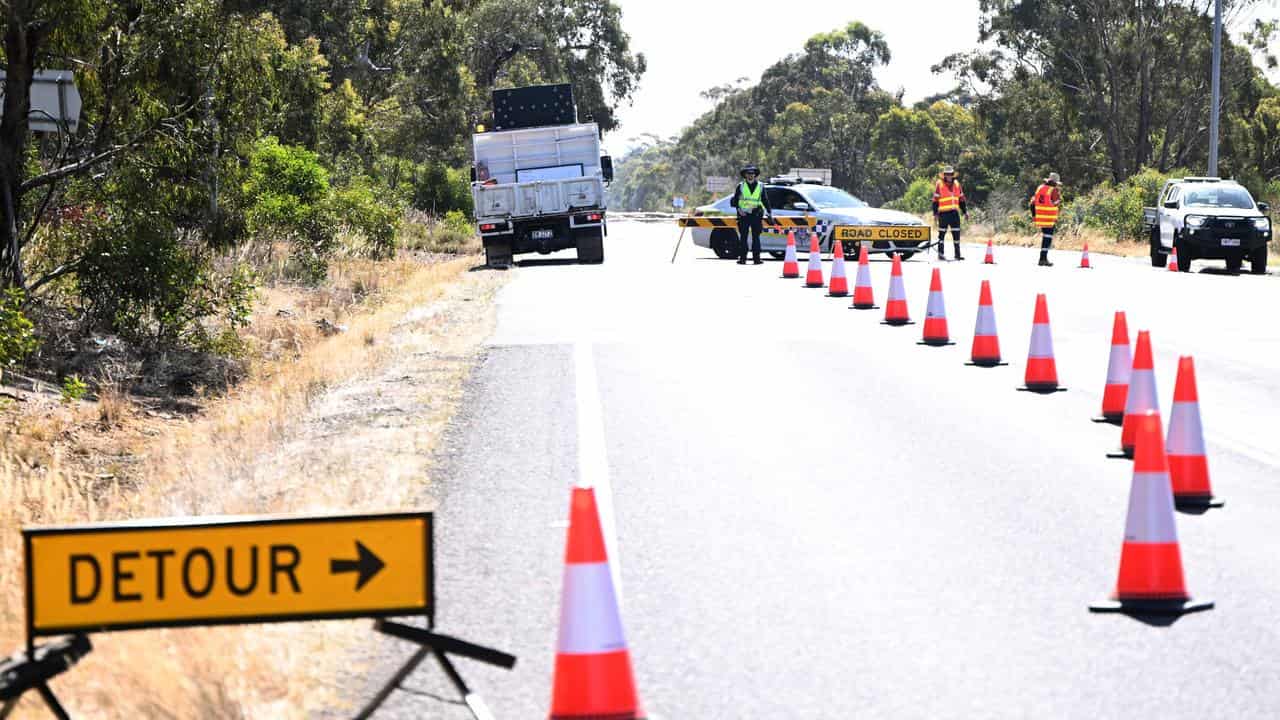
(948, 198)
(1046, 204)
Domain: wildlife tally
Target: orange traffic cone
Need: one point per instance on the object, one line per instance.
(863, 296)
(593, 676)
(1119, 368)
(814, 277)
(1150, 579)
(839, 281)
(990, 259)
(1188, 466)
(895, 311)
(791, 266)
(986, 343)
(1042, 370)
(1084, 257)
(1142, 393)
(935, 314)
(1173, 259)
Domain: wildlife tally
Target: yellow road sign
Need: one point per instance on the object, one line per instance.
(119, 576)
(875, 233)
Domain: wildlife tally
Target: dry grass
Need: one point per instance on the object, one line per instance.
(1072, 238)
(207, 466)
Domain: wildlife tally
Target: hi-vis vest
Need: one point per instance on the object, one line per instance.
(948, 197)
(1046, 211)
(747, 200)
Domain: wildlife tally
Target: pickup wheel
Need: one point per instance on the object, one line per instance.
(725, 244)
(497, 253)
(777, 255)
(1158, 254)
(905, 255)
(1185, 256)
(590, 245)
(1235, 262)
(1258, 261)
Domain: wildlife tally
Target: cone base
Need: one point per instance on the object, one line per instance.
(790, 276)
(897, 323)
(818, 286)
(1151, 607)
(838, 293)
(864, 306)
(1110, 419)
(1042, 389)
(1197, 502)
(936, 342)
(984, 363)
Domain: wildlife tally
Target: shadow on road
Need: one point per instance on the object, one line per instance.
(549, 262)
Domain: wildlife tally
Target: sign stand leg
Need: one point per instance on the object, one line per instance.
(55, 707)
(394, 683)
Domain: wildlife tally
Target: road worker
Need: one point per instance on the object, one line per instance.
(948, 205)
(1044, 208)
(753, 205)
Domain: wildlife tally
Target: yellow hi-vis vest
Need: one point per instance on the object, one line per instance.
(1046, 210)
(747, 200)
(948, 197)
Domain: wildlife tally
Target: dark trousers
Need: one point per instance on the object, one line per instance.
(750, 224)
(1046, 241)
(949, 219)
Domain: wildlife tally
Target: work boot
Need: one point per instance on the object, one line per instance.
(742, 261)
(1044, 262)
(958, 255)
(757, 261)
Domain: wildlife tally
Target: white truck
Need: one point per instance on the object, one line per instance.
(540, 189)
(1208, 218)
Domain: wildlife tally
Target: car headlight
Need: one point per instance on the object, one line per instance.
(1195, 221)
(1262, 224)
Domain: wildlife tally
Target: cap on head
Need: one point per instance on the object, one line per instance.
(750, 169)
(948, 170)
(1053, 178)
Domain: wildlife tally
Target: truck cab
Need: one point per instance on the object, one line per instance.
(1208, 218)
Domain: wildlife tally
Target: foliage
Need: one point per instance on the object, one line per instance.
(918, 198)
(440, 189)
(73, 388)
(17, 334)
(454, 233)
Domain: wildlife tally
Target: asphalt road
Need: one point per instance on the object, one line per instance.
(817, 518)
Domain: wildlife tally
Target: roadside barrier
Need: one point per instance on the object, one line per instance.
(839, 286)
(986, 342)
(990, 259)
(593, 677)
(935, 314)
(1084, 257)
(895, 310)
(1150, 580)
(864, 298)
(1119, 367)
(1188, 465)
(732, 222)
(1042, 369)
(790, 265)
(1142, 393)
(813, 278)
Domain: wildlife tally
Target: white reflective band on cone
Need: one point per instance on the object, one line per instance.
(1150, 517)
(1121, 365)
(791, 253)
(1142, 393)
(864, 275)
(815, 261)
(896, 290)
(936, 308)
(589, 620)
(1041, 342)
(1186, 437)
(986, 324)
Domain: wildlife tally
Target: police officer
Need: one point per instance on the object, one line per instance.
(1044, 209)
(948, 205)
(749, 197)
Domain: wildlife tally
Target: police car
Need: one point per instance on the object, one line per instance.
(839, 216)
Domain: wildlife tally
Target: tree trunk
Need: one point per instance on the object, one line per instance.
(21, 41)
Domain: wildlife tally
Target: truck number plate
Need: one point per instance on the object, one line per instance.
(548, 234)
(1230, 242)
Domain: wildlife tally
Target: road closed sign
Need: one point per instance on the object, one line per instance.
(120, 576)
(877, 233)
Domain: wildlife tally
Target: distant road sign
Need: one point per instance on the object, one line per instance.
(120, 576)
(677, 202)
(823, 174)
(719, 183)
(55, 101)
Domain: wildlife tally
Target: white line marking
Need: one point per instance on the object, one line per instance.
(593, 464)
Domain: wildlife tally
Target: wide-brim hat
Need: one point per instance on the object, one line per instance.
(1053, 178)
(748, 169)
(948, 170)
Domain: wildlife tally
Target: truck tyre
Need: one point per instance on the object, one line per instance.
(590, 246)
(1185, 255)
(497, 254)
(1158, 255)
(1258, 261)
(777, 255)
(725, 244)
(1235, 262)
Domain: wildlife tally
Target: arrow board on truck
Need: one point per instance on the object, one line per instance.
(123, 576)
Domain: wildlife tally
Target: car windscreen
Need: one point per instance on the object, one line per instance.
(826, 197)
(1219, 197)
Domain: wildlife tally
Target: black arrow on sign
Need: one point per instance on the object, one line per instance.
(366, 564)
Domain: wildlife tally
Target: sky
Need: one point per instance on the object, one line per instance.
(698, 44)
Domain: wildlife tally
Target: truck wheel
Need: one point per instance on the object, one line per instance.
(1158, 255)
(590, 246)
(905, 255)
(1258, 261)
(1185, 256)
(1234, 263)
(725, 244)
(777, 255)
(497, 254)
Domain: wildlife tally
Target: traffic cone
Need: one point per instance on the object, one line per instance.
(1188, 466)
(814, 277)
(986, 344)
(935, 314)
(1150, 579)
(1173, 259)
(895, 311)
(791, 266)
(593, 676)
(1042, 370)
(1142, 393)
(990, 259)
(1084, 257)
(863, 296)
(839, 281)
(1119, 368)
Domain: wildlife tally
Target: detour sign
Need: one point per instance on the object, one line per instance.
(118, 576)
